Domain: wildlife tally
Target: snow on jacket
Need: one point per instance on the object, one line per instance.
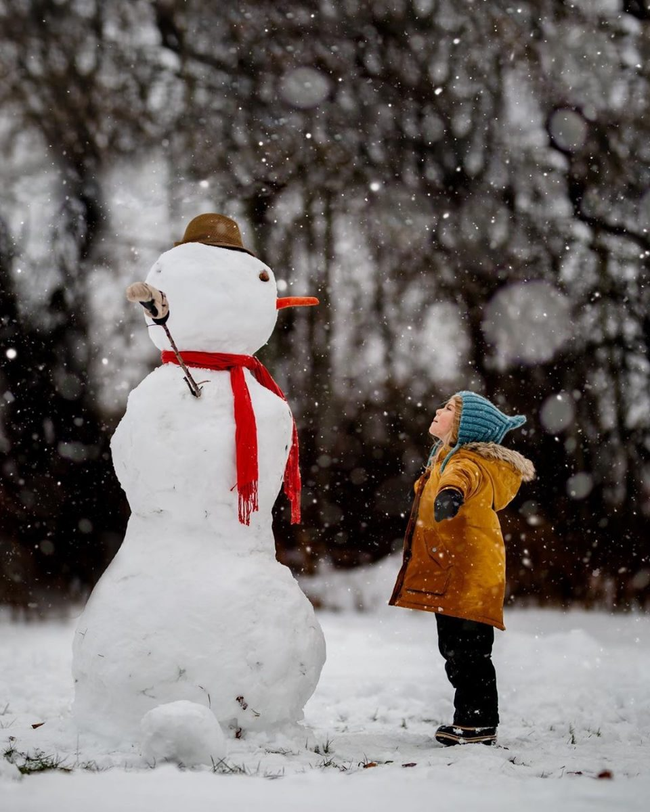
(457, 567)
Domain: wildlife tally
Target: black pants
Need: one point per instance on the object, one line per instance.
(467, 649)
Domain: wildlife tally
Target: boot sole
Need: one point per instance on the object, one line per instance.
(449, 739)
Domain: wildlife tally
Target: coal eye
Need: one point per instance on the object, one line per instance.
(264, 276)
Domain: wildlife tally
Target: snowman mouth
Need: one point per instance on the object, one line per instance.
(296, 301)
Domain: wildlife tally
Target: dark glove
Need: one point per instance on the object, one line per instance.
(447, 504)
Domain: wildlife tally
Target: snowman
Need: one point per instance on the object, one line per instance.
(195, 610)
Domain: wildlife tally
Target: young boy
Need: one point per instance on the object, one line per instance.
(454, 556)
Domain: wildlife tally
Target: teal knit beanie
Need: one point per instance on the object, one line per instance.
(481, 422)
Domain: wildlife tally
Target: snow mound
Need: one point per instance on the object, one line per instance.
(363, 589)
(184, 732)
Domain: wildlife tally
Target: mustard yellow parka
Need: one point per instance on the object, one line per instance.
(457, 566)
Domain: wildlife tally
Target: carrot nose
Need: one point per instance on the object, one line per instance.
(296, 301)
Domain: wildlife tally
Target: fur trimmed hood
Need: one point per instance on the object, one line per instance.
(494, 451)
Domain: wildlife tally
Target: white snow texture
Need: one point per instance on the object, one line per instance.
(184, 732)
(195, 605)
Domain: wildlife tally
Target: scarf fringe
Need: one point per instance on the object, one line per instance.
(248, 502)
(294, 500)
(292, 480)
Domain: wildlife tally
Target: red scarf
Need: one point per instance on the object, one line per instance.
(246, 428)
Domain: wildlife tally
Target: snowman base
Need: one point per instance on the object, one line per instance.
(250, 649)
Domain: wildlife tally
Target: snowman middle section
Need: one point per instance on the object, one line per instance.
(174, 454)
(195, 605)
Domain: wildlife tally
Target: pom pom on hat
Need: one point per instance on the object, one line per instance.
(481, 422)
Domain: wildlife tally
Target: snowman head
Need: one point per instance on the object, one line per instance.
(220, 299)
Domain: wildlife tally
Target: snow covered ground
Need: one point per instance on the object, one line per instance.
(575, 704)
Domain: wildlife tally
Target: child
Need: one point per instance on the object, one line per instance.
(454, 556)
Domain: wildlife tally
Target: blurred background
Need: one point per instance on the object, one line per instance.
(466, 188)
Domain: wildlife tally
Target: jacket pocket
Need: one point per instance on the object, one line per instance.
(439, 554)
(433, 584)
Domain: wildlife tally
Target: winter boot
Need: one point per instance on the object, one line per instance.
(449, 735)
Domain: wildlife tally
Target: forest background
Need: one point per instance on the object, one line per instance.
(464, 185)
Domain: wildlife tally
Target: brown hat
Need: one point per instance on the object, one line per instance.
(214, 229)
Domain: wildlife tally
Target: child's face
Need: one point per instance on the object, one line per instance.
(443, 422)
